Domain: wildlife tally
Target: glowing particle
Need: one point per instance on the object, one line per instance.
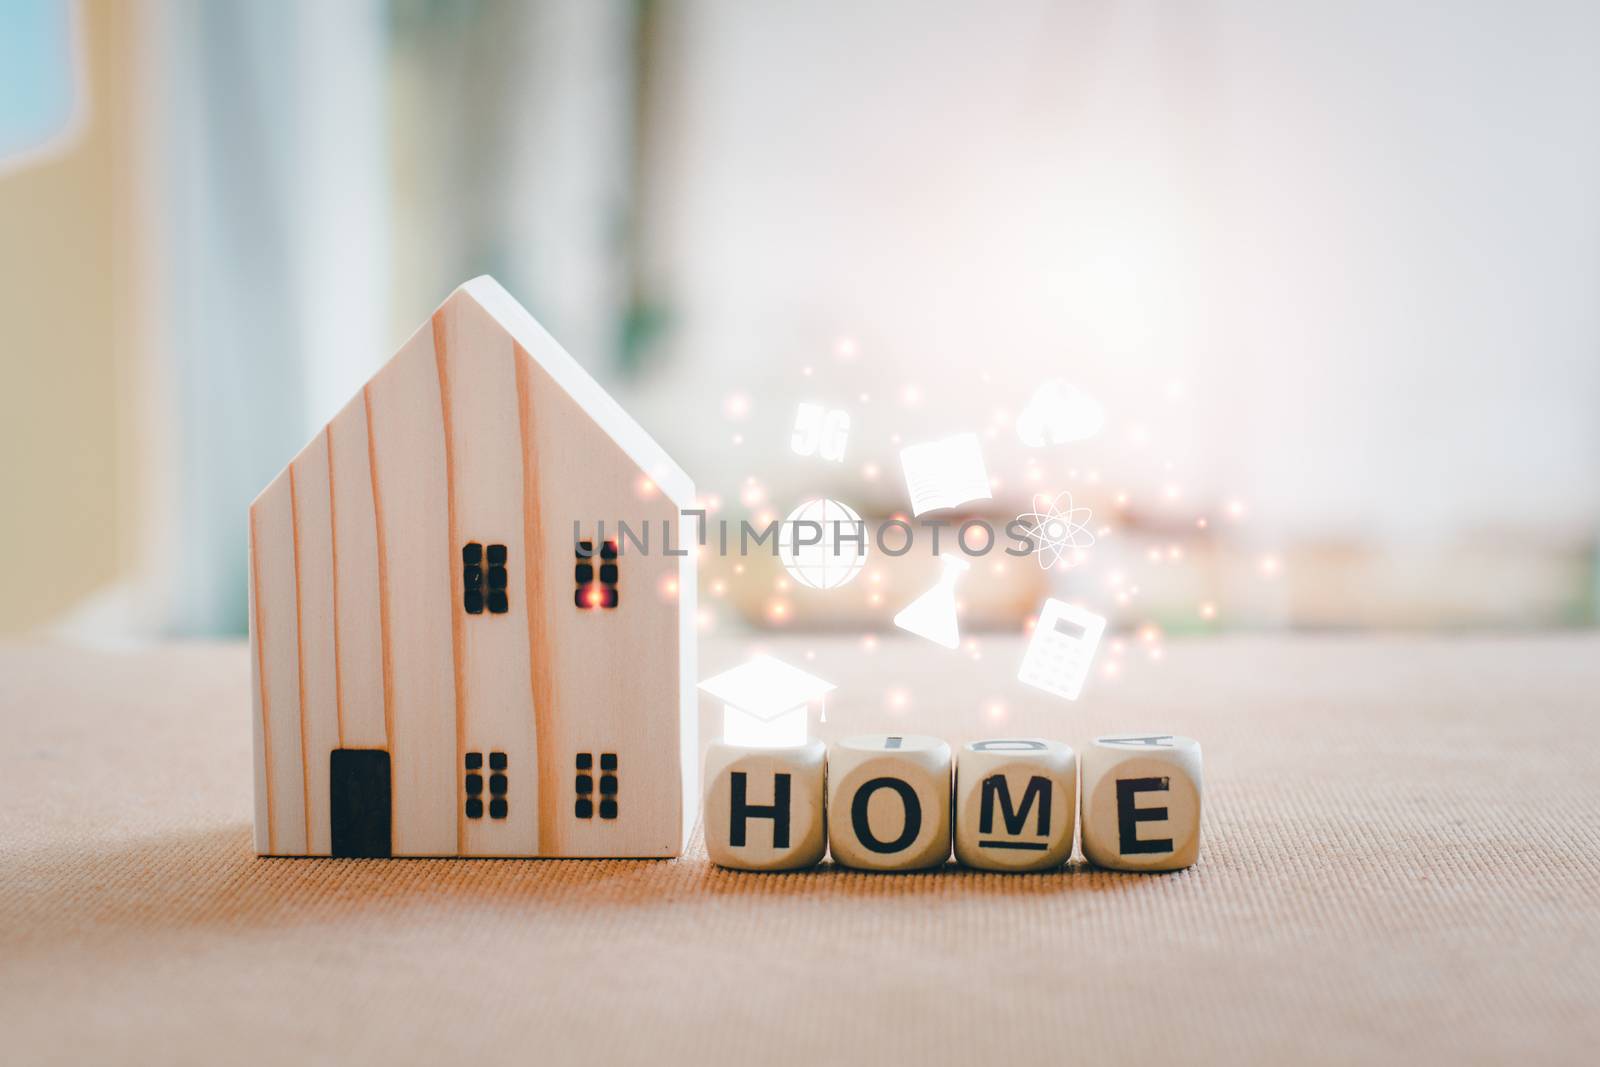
(1208, 610)
(736, 405)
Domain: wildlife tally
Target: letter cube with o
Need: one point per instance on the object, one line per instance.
(1016, 804)
(1141, 802)
(889, 802)
(764, 806)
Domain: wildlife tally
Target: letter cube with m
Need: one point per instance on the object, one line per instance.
(764, 808)
(1016, 804)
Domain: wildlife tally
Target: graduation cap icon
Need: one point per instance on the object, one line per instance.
(764, 702)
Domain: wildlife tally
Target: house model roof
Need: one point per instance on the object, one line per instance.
(766, 687)
(651, 458)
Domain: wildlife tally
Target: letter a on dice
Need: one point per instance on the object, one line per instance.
(1141, 802)
(889, 802)
(1016, 804)
(764, 806)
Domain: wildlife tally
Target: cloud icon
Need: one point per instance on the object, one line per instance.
(1058, 413)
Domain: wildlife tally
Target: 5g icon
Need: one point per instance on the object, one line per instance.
(821, 432)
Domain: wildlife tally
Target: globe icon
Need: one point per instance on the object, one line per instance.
(834, 560)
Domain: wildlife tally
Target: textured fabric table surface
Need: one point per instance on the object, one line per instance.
(1401, 863)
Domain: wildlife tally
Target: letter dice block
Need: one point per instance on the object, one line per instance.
(1016, 804)
(1141, 802)
(764, 806)
(889, 802)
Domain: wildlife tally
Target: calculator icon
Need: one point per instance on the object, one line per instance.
(1061, 650)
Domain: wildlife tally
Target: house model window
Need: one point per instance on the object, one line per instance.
(596, 576)
(483, 585)
(498, 807)
(584, 808)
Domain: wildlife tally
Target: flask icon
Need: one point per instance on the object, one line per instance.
(933, 614)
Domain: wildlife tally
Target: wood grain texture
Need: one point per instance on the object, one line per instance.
(361, 639)
(314, 580)
(260, 737)
(358, 630)
(278, 694)
(614, 674)
(412, 481)
(496, 697)
(539, 612)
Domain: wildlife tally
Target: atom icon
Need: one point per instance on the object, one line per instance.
(1056, 527)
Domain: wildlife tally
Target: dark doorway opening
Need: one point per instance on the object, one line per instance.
(358, 786)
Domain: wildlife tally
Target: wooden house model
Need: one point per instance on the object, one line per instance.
(448, 658)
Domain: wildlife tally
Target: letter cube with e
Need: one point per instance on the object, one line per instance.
(764, 806)
(1016, 804)
(1141, 802)
(889, 802)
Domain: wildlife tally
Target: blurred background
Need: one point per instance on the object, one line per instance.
(1331, 269)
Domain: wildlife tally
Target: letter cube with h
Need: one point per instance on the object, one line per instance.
(1141, 802)
(764, 806)
(1016, 804)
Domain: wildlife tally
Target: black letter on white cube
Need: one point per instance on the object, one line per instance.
(1129, 817)
(908, 799)
(778, 811)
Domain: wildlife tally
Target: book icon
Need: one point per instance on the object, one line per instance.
(944, 473)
